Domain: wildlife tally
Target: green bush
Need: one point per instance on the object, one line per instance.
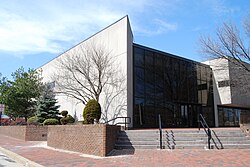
(66, 120)
(64, 113)
(32, 120)
(51, 121)
(91, 112)
(70, 119)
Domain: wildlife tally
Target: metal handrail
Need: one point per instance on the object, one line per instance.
(216, 136)
(160, 129)
(206, 128)
(127, 121)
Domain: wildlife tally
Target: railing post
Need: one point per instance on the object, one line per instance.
(199, 122)
(206, 129)
(209, 138)
(125, 123)
(0, 118)
(160, 129)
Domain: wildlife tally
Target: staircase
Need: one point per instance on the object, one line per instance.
(229, 139)
(182, 139)
(138, 139)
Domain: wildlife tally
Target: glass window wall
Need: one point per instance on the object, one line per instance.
(176, 88)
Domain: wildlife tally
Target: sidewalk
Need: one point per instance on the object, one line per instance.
(39, 153)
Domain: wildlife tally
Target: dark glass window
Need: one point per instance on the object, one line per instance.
(202, 86)
(159, 61)
(138, 112)
(168, 85)
(224, 83)
(149, 60)
(139, 82)
(139, 57)
(232, 116)
(203, 73)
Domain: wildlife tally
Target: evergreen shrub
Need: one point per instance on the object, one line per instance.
(64, 113)
(91, 112)
(66, 120)
(47, 109)
(51, 121)
(32, 120)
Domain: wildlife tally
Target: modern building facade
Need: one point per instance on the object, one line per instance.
(231, 92)
(158, 83)
(176, 88)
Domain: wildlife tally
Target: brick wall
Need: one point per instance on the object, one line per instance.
(111, 137)
(36, 133)
(96, 139)
(14, 131)
(26, 133)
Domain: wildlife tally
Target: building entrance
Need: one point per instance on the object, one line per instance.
(173, 115)
(187, 115)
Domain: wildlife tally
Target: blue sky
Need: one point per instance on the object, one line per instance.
(32, 32)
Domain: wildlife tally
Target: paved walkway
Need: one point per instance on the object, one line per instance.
(9, 162)
(41, 154)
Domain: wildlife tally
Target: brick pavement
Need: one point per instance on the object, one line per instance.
(50, 157)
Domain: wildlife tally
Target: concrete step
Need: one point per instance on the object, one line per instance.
(185, 138)
(227, 134)
(139, 131)
(181, 139)
(185, 135)
(183, 132)
(232, 138)
(129, 134)
(136, 139)
(232, 142)
(233, 146)
(185, 142)
(138, 136)
(151, 133)
(155, 142)
(124, 146)
(189, 146)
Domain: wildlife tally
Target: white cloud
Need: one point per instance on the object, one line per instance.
(160, 27)
(199, 28)
(20, 35)
(29, 27)
(165, 26)
(220, 7)
(30, 33)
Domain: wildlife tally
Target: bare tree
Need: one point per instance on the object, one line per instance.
(83, 72)
(114, 99)
(246, 23)
(228, 44)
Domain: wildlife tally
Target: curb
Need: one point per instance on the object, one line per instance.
(18, 158)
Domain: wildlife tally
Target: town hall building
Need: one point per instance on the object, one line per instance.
(157, 82)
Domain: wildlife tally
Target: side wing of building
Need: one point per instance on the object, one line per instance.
(117, 39)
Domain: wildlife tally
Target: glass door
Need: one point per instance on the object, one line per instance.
(184, 115)
(188, 115)
(193, 112)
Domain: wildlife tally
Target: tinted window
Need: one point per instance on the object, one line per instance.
(139, 57)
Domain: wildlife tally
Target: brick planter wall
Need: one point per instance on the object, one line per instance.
(18, 132)
(26, 133)
(111, 137)
(36, 133)
(96, 139)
